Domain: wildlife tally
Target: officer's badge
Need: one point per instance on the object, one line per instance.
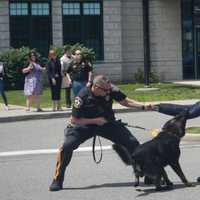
(78, 102)
(107, 97)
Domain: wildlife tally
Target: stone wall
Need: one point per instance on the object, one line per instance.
(4, 25)
(112, 22)
(132, 38)
(165, 38)
(57, 27)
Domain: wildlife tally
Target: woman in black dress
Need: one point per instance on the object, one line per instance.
(55, 79)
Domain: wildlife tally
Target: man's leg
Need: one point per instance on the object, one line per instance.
(174, 109)
(73, 138)
(68, 97)
(171, 109)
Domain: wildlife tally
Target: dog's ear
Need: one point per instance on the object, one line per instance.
(177, 124)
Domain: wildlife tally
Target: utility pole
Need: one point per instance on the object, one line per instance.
(146, 35)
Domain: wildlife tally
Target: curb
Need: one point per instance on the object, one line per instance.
(51, 115)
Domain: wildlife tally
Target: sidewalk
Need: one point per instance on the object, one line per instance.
(18, 113)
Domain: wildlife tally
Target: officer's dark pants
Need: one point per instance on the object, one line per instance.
(174, 109)
(74, 136)
(68, 96)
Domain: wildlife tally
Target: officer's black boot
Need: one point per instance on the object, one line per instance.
(56, 185)
(62, 162)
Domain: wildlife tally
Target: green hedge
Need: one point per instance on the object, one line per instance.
(15, 59)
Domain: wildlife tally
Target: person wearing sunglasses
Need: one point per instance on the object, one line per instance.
(92, 115)
(79, 72)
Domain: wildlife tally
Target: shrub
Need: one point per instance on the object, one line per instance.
(139, 76)
(87, 53)
(14, 60)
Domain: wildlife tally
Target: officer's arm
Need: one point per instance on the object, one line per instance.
(132, 103)
(86, 121)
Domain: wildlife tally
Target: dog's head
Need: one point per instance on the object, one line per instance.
(176, 125)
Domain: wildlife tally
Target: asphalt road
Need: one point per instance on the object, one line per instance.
(27, 177)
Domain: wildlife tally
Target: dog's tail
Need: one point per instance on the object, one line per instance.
(123, 153)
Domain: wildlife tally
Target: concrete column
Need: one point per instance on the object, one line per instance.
(112, 31)
(132, 38)
(4, 25)
(57, 27)
(166, 38)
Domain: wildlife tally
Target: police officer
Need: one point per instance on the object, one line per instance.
(79, 72)
(92, 114)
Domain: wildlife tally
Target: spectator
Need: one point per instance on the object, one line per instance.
(66, 84)
(2, 91)
(55, 79)
(33, 82)
(79, 73)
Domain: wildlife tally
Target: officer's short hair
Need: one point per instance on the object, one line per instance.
(100, 80)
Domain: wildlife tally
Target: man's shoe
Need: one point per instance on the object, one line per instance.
(55, 186)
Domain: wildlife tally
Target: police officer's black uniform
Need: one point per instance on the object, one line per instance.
(79, 73)
(89, 106)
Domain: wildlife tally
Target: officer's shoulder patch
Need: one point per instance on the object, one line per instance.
(78, 102)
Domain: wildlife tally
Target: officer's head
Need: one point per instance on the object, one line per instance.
(101, 85)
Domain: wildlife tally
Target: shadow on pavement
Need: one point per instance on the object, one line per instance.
(146, 192)
(105, 185)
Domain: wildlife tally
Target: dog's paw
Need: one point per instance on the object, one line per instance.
(170, 187)
(164, 188)
(188, 184)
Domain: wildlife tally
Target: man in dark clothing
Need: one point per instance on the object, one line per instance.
(92, 114)
(174, 109)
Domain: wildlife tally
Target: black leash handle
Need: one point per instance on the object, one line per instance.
(93, 150)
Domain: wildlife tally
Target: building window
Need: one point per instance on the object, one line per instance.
(40, 9)
(30, 25)
(83, 23)
(71, 8)
(91, 8)
(18, 9)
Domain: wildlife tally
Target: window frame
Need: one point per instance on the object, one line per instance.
(30, 19)
(100, 39)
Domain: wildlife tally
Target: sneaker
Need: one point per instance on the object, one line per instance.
(6, 108)
(55, 186)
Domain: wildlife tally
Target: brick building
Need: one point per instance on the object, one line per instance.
(114, 28)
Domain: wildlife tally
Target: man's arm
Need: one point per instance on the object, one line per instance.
(133, 104)
(87, 121)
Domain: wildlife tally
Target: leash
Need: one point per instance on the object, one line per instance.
(132, 126)
(93, 150)
(154, 132)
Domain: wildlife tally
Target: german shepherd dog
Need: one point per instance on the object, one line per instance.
(150, 158)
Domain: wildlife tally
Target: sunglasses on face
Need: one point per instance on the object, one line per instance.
(104, 89)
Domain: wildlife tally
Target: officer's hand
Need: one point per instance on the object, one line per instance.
(100, 121)
(148, 107)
